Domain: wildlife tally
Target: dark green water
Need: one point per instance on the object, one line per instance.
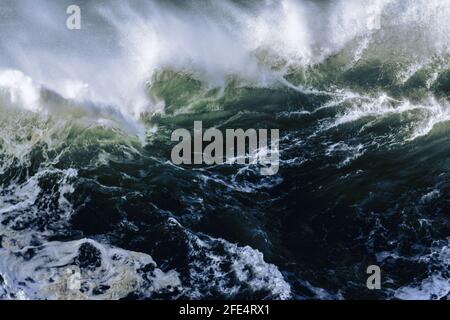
(89, 194)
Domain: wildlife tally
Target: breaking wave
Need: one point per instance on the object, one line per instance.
(89, 198)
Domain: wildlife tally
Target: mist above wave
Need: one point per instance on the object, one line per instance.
(111, 60)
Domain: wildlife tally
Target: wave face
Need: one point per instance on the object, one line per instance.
(92, 208)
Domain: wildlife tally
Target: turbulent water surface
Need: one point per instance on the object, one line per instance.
(91, 206)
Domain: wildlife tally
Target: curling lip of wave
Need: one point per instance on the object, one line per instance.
(213, 41)
(19, 90)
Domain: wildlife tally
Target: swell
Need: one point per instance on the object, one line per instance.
(85, 145)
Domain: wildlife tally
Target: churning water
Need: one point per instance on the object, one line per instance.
(92, 207)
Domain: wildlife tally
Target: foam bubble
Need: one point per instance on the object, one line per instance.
(82, 269)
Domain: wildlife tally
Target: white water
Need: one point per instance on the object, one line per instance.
(437, 285)
(122, 43)
(104, 68)
(52, 274)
